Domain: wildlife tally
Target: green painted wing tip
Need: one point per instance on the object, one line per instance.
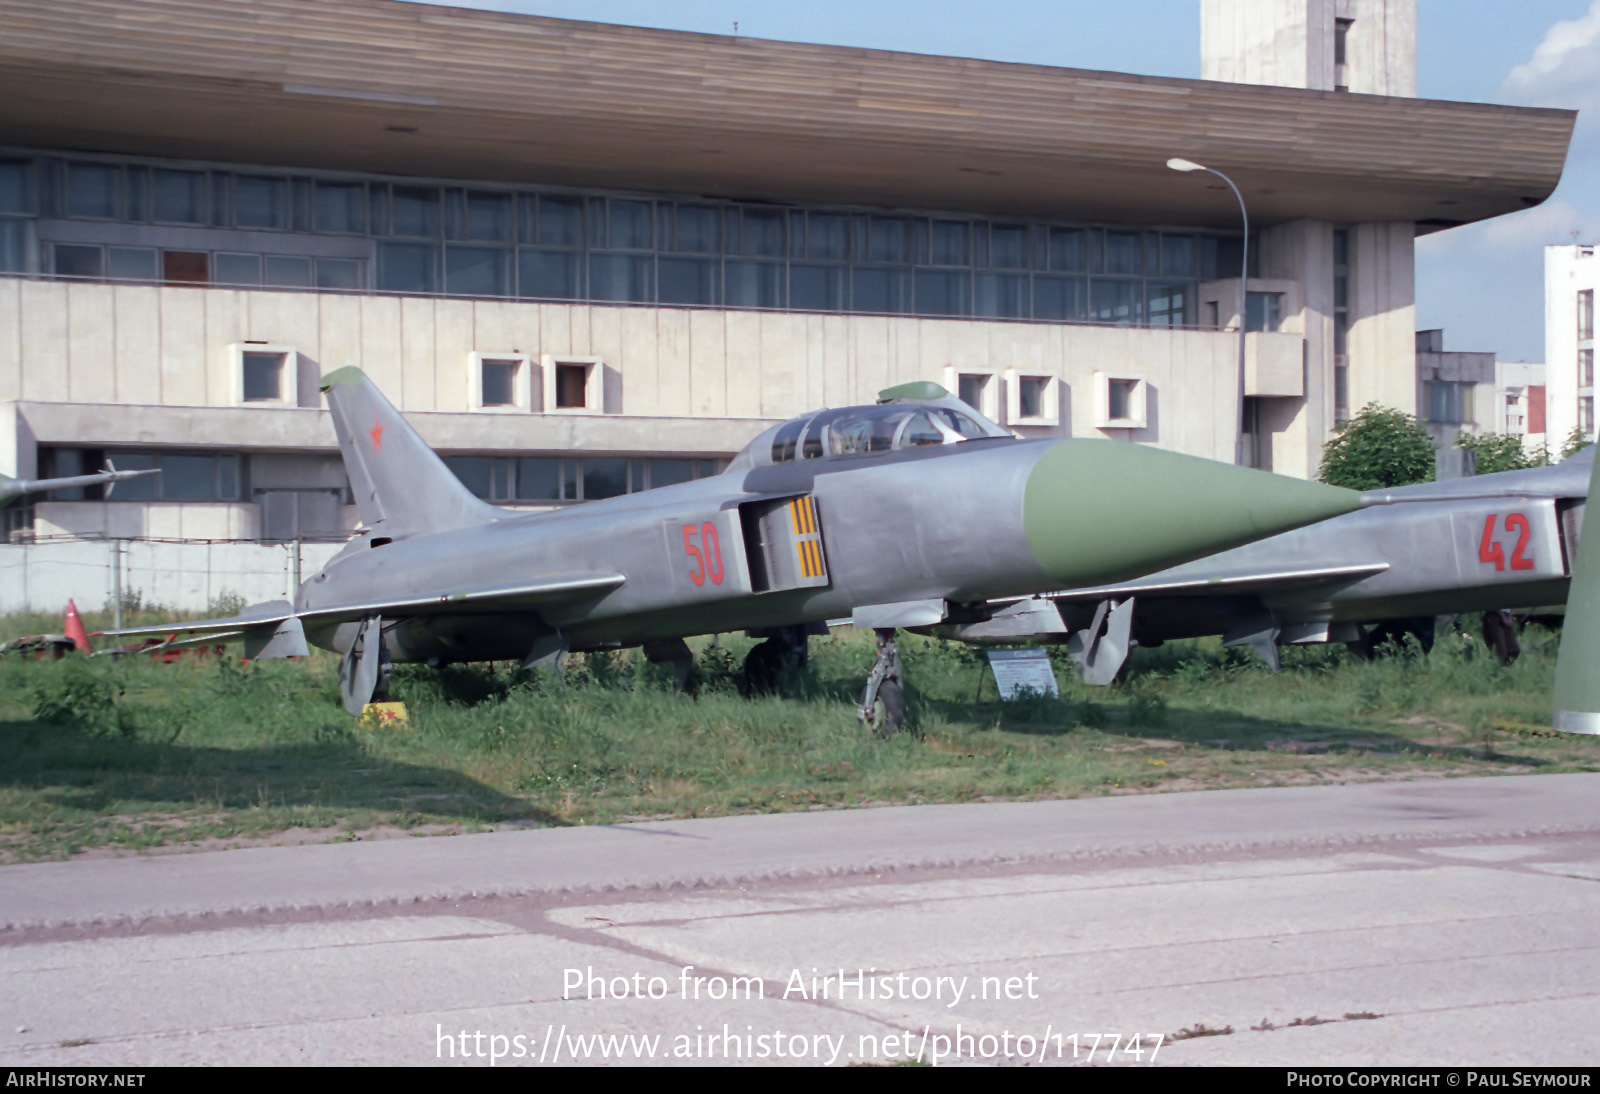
(349, 375)
(916, 389)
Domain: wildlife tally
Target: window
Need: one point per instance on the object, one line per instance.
(1257, 440)
(263, 377)
(234, 269)
(558, 478)
(1032, 398)
(1120, 401)
(185, 267)
(131, 263)
(978, 388)
(476, 239)
(1341, 54)
(15, 187)
(180, 196)
(261, 201)
(1448, 401)
(263, 374)
(1341, 324)
(93, 190)
(573, 385)
(500, 381)
(185, 476)
(1585, 315)
(78, 261)
(287, 271)
(1263, 311)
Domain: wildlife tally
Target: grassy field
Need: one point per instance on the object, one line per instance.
(129, 755)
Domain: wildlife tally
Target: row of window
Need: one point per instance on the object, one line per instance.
(50, 187)
(224, 476)
(434, 239)
(91, 260)
(568, 478)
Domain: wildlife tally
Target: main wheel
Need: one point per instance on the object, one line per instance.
(1500, 636)
(890, 709)
(762, 667)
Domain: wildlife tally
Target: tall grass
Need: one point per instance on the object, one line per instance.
(129, 753)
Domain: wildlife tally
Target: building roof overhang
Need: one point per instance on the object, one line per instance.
(415, 89)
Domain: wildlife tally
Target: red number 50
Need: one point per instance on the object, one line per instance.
(707, 555)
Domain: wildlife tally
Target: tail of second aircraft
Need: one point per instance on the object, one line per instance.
(1577, 689)
(401, 486)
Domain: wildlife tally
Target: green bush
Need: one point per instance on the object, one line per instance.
(1379, 447)
(1576, 442)
(1502, 452)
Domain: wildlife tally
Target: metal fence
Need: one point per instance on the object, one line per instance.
(174, 575)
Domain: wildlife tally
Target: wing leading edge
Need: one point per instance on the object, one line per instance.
(526, 596)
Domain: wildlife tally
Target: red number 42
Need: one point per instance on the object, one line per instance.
(1489, 548)
(707, 554)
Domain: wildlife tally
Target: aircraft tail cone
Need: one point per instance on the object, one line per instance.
(1577, 691)
(1100, 511)
(73, 629)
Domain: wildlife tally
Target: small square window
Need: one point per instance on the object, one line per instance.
(978, 388)
(1121, 401)
(571, 387)
(264, 374)
(574, 385)
(263, 377)
(1032, 398)
(500, 381)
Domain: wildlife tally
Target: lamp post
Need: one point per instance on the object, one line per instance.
(1178, 164)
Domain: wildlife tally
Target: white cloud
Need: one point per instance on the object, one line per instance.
(1565, 68)
(1552, 222)
(1555, 221)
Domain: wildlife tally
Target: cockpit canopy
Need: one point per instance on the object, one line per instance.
(911, 416)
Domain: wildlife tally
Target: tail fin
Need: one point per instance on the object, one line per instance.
(1577, 689)
(401, 487)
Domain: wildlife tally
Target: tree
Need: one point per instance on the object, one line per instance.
(1501, 452)
(1576, 442)
(1379, 447)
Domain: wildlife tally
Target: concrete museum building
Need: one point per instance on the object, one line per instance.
(588, 259)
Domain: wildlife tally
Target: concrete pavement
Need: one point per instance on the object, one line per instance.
(1431, 922)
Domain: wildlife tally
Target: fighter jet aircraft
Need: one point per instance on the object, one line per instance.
(1478, 544)
(906, 513)
(12, 489)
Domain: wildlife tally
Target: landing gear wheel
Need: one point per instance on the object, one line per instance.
(1500, 635)
(762, 667)
(380, 690)
(889, 712)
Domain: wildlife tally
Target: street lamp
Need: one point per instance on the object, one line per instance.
(1179, 164)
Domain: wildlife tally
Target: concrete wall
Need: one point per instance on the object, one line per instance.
(1290, 43)
(1568, 270)
(141, 365)
(1382, 346)
(1477, 369)
(186, 577)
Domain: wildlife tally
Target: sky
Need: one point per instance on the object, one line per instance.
(1482, 283)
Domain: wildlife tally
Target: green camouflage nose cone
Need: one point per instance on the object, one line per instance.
(1577, 691)
(1101, 511)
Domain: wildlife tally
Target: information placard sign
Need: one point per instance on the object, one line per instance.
(1023, 672)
